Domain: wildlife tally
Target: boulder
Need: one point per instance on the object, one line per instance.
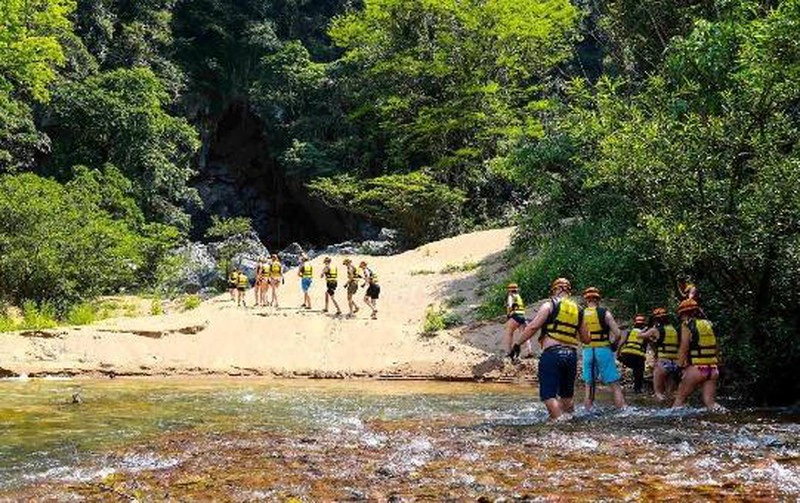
(377, 248)
(290, 256)
(198, 270)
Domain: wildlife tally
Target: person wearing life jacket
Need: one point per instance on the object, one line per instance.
(600, 329)
(233, 278)
(698, 354)
(664, 337)
(352, 286)
(515, 318)
(331, 275)
(633, 349)
(373, 288)
(242, 284)
(559, 320)
(262, 277)
(275, 278)
(306, 274)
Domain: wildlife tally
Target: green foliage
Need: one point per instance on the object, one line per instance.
(447, 89)
(465, 267)
(156, 307)
(30, 50)
(415, 203)
(456, 301)
(191, 302)
(118, 117)
(438, 319)
(57, 244)
(84, 313)
(231, 232)
(36, 317)
(422, 272)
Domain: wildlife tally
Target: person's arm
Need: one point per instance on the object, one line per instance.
(683, 350)
(324, 270)
(622, 340)
(692, 294)
(613, 328)
(509, 303)
(583, 331)
(538, 322)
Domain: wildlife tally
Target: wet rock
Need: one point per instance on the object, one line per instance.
(7, 373)
(385, 471)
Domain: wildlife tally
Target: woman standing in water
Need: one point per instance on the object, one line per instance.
(698, 355)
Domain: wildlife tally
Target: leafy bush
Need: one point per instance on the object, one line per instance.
(191, 302)
(156, 308)
(82, 314)
(60, 243)
(38, 316)
(419, 206)
(437, 319)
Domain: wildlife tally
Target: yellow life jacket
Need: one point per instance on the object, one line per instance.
(242, 280)
(307, 271)
(595, 318)
(668, 343)
(275, 269)
(332, 274)
(234, 277)
(703, 348)
(373, 278)
(517, 305)
(562, 324)
(352, 273)
(634, 345)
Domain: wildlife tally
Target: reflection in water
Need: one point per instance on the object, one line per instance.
(247, 439)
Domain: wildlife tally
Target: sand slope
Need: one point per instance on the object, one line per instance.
(219, 338)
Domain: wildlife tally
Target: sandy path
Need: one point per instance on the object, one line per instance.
(219, 338)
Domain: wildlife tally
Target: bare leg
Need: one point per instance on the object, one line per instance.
(553, 408)
(691, 378)
(710, 394)
(508, 337)
(326, 301)
(619, 397)
(275, 293)
(659, 381)
(588, 403)
(338, 309)
(567, 405)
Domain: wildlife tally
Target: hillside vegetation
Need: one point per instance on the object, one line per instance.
(629, 141)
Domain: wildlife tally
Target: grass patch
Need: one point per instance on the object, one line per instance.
(156, 309)
(454, 268)
(191, 302)
(36, 317)
(437, 319)
(82, 314)
(422, 272)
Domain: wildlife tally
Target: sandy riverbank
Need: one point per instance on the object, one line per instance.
(218, 338)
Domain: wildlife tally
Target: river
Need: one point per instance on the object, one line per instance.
(248, 439)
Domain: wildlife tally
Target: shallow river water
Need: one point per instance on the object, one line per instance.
(249, 439)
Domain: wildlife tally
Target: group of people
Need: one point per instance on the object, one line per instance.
(271, 275)
(686, 357)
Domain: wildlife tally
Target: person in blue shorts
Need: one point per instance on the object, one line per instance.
(559, 319)
(306, 273)
(598, 331)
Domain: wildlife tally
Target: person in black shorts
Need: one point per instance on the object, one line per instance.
(331, 275)
(373, 289)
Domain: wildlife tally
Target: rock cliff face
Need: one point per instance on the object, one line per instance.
(240, 176)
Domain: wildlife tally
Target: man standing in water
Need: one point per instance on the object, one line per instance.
(598, 330)
(633, 349)
(352, 286)
(559, 320)
(699, 356)
(306, 273)
(665, 338)
(331, 275)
